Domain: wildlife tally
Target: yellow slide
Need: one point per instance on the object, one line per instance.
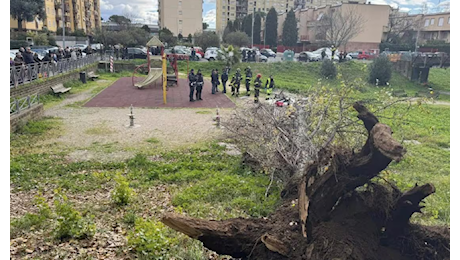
(154, 74)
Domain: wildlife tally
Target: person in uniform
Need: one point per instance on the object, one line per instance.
(192, 83)
(257, 86)
(271, 85)
(224, 78)
(333, 49)
(199, 85)
(248, 80)
(235, 83)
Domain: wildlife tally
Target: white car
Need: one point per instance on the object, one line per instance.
(316, 55)
(212, 53)
(80, 46)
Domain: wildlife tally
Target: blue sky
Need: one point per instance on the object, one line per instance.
(145, 11)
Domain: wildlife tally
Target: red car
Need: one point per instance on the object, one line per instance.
(364, 55)
(199, 51)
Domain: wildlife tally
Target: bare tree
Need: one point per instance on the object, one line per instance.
(339, 25)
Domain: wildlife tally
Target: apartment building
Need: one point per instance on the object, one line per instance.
(375, 20)
(229, 10)
(181, 16)
(431, 26)
(79, 14)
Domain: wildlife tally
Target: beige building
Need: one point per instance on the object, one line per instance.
(181, 16)
(374, 21)
(79, 14)
(229, 10)
(431, 26)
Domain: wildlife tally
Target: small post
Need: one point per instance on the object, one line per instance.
(28, 101)
(217, 118)
(111, 64)
(131, 117)
(17, 105)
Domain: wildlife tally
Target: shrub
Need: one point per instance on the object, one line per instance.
(122, 193)
(70, 223)
(150, 238)
(237, 38)
(380, 69)
(30, 220)
(328, 69)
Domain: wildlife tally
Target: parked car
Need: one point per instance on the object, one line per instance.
(316, 55)
(212, 53)
(80, 46)
(180, 54)
(364, 55)
(137, 53)
(199, 50)
(268, 53)
(354, 54)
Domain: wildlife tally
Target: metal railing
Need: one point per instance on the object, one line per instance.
(27, 73)
(18, 105)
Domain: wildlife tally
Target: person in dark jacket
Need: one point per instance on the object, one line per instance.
(248, 80)
(257, 86)
(224, 79)
(28, 56)
(199, 85)
(214, 81)
(47, 57)
(18, 60)
(192, 84)
(271, 85)
(243, 55)
(323, 54)
(36, 58)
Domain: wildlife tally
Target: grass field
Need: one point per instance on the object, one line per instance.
(201, 181)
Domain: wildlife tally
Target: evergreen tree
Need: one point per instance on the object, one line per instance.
(290, 31)
(189, 38)
(180, 37)
(257, 28)
(237, 25)
(271, 28)
(27, 10)
(247, 25)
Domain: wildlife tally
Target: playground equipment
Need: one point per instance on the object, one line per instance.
(159, 72)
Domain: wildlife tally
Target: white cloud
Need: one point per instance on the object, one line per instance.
(209, 1)
(141, 11)
(106, 6)
(210, 18)
(404, 9)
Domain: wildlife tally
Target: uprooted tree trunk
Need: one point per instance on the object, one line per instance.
(324, 216)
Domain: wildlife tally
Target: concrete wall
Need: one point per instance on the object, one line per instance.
(44, 86)
(19, 120)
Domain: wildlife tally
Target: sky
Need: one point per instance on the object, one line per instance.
(146, 11)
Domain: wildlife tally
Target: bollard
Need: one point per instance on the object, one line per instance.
(217, 118)
(111, 64)
(131, 117)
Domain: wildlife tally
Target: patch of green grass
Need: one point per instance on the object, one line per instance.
(101, 129)
(204, 112)
(153, 140)
(30, 220)
(39, 127)
(439, 79)
(427, 162)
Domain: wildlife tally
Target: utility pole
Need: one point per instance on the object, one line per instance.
(252, 28)
(420, 24)
(63, 24)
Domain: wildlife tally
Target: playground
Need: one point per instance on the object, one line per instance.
(160, 88)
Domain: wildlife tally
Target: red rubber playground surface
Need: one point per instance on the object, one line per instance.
(123, 94)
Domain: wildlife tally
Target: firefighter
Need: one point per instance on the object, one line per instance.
(333, 49)
(199, 85)
(271, 85)
(235, 83)
(248, 80)
(224, 78)
(257, 86)
(192, 84)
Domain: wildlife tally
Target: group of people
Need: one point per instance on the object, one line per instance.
(248, 55)
(342, 55)
(27, 56)
(196, 83)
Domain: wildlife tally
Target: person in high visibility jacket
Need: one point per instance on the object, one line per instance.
(333, 49)
(235, 83)
(271, 85)
(257, 86)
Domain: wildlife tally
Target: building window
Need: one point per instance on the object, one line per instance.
(448, 20)
(441, 21)
(223, 13)
(180, 3)
(180, 21)
(427, 22)
(432, 21)
(180, 12)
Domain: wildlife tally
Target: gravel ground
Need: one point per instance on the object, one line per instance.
(93, 132)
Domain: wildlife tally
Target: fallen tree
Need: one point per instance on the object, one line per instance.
(331, 209)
